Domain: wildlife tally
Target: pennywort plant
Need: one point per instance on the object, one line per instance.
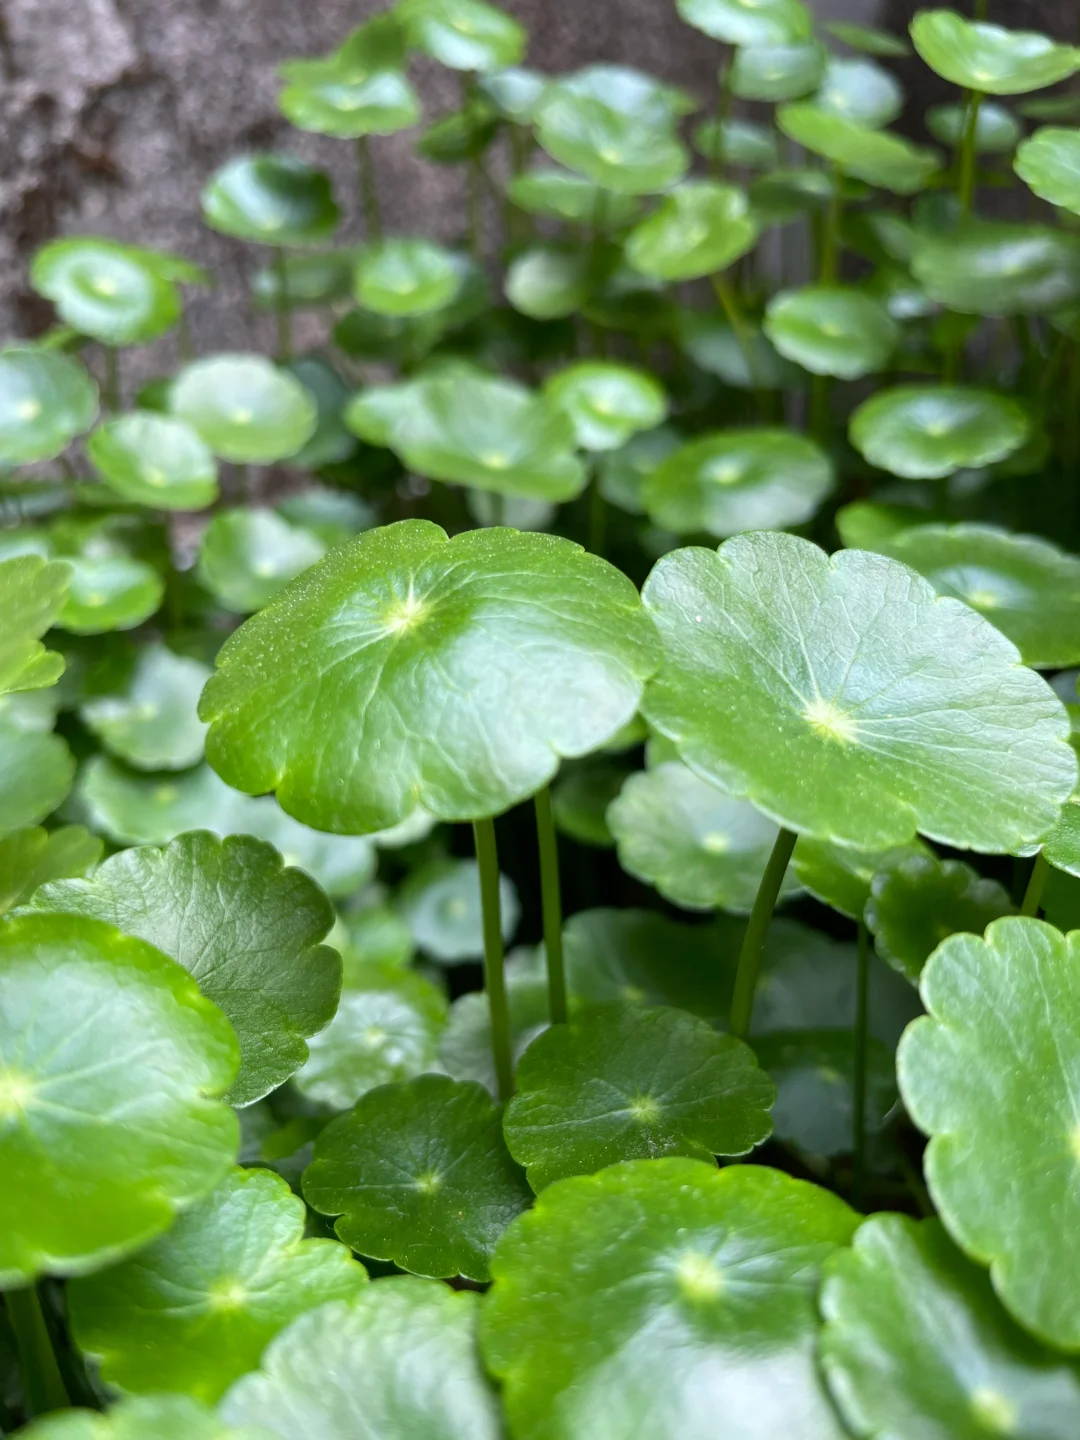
(539, 834)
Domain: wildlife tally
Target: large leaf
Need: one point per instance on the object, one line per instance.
(244, 927)
(109, 1121)
(472, 665)
(749, 22)
(32, 592)
(832, 330)
(926, 432)
(46, 399)
(419, 1174)
(153, 723)
(916, 1344)
(693, 1299)
(989, 58)
(989, 1075)
(158, 1417)
(888, 709)
(984, 267)
(196, 1309)
(620, 1082)
(398, 1360)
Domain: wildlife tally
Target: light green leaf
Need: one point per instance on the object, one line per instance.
(997, 130)
(245, 408)
(113, 292)
(989, 58)
(36, 773)
(153, 722)
(440, 903)
(109, 592)
(46, 400)
(562, 195)
(1049, 163)
(737, 142)
(869, 39)
(832, 330)
(31, 857)
(270, 199)
(925, 432)
(862, 91)
(154, 460)
(749, 22)
(158, 1417)
(876, 156)
(606, 403)
(32, 592)
(547, 282)
(247, 556)
(464, 34)
(985, 267)
(700, 228)
(773, 72)
(407, 277)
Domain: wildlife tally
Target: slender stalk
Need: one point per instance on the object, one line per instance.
(111, 388)
(753, 946)
(829, 266)
(551, 905)
(284, 318)
(858, 1069)
(369, 193)
(597, 517)
(967, 177)
(183, 336)
(45, 1389)
(717, 159)
(494, 978)
(1040, 873)
(741, 329)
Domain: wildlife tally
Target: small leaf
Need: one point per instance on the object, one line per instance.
(270, 199)
(244, 927)
(916, 1343)
(547, 282)
(737, 142)
(244, 407)
(419, 1174)
(464, 34)
(989, 58)
(440, 903)
(154, 460)
(774, 72)
(622, 1083)
(113, 292)
(36, 772)
(691, 1285)
(109, 592)
(247, 556)
(876, 156)
(985, 267)
(989, 1075)
(407, 277)
(840, 875)
(153, 723)
(997, 130)
(239, 1260)
(749, 22)
(700, 228)
(32, 592)
(814, 1073)
(832, 330)
(46, 400)
(927, 432)
(861, 91)
(606, 403)
(31, 857)
(869, 39)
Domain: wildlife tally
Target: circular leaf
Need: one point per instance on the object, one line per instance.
(699, 229)
(548, 283)
(738, 480)
(562, 195)
(32, 591)
(386, 1028)
(407, 277)
(862, 91)
(580, 799)
(514, 92)
(270, 199)
(464, 34)
(693, 1297)
(996, 129)
(777, 72)
(440, 903)
(154, 460)
(989, 58)
(348, 98)
(1049, 163)
(247, 556)
(715, 348)
(300, 282)
(748, 22)
(115, 293)
(814, 1073)
(987, 268)
(925, 432)
(876, 156)
(107, 1108)
(920, 901)
(241, 1263)
(889, 710)
(158, 1417)
(607, 403)
(832, 330)
(349, 1369)
(419, 1174)
(840, 875)
(421, 614)
(621, 1082)
(245, 408)
(700, 848)
(915, 1343)
(244, 927)
(110, 592)
(1020, 983)
(31, 857)
(46, 399)
(36, 771)
(153, 723)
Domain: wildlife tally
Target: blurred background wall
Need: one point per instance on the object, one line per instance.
(113, 112)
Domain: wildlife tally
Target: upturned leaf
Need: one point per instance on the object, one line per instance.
(46, 400)
(112, 591)
(989, 58)
(700, 228)
(876, 156)
(113, 292)
(925, 432)
(270, 199)
(607, 403)
(154, 460)
(407, 277)
(32, 593)
(244, 407)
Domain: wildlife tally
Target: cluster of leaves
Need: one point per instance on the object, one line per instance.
(277, 632)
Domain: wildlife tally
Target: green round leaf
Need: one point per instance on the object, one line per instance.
(247, 556)
(1049, 163)
(607, 403)
(620, 1082)
(115, 293)
(545, 190)
(832, 330)
(1026, 587)
(153, 723)
(421, 614)
(989, 58)
(440, 903)
(862, 91)
(869, 39)
(240, 1261)
(841, 875)
(347, 98)
(350, 1369)
(110, 592)
(270, 199)
(465, 1049)
(158, 1417)
(814, 1073)
(32, 592)
(386, 1028)
(407, 277)
(915, 1343)
(889, 710)
(31, 857)
(108, 1116)
(738, 480)
(46, 399)
(920, 901)
(693, 1298)
(777, 72)
(700, 848)
(989, 1075)
(737, 142)
(996, 129)
(615, 126)
(749, 22)
(876, 156)
(464, 34)
(547, 282)
(987, 268)
(244, 927)
(154, 460)
(245, 408)
(925, 432)
(699, 229)
(419, 1174)
(36, 771)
